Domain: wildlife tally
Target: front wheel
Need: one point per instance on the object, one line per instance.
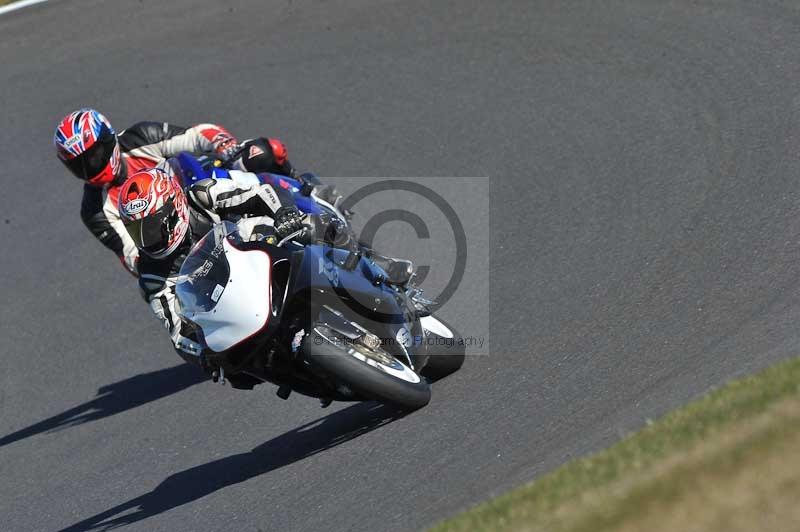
(372, 372)
(446, 351)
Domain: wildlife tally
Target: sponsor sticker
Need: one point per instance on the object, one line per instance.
(271, 196)
(72, 141)
(255, 151)
(135, 206)
(217, 293)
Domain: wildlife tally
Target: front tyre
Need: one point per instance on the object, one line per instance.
(372, 372)
(446, 351)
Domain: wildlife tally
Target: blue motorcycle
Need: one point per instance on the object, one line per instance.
(309, 194)
(336, 322)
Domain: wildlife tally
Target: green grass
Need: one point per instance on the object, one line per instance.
(706, 447)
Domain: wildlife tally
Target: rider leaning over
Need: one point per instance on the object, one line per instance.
(90, 148)
(163, 222)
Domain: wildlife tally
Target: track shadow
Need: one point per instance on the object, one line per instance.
(115, 398)
(197, 482)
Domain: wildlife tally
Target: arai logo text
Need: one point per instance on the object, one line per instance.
(135, 206)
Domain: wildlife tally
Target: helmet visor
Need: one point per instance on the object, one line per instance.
(91, 162)
(153, 233)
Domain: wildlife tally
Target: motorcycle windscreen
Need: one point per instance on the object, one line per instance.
(229, 303)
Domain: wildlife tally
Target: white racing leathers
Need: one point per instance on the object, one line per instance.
(210, 201)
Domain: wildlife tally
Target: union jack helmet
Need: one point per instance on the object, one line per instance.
(87, 145)
(154, 210)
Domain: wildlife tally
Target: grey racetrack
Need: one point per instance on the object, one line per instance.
(643, 161)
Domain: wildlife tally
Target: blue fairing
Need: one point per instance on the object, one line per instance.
(190, 170)
(322, 271)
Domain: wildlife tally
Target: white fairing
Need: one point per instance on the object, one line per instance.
(243, 307)
(429, 323)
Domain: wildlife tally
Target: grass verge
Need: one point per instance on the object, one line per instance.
(729, 461)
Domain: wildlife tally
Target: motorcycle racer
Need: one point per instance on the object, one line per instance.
(163, 222)
(92, 151)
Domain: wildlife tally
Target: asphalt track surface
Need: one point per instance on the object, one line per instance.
(643, 160)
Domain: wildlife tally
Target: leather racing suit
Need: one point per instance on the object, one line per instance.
(146, 145)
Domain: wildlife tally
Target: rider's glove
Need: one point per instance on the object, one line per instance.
(226, 147)
(286, 221)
